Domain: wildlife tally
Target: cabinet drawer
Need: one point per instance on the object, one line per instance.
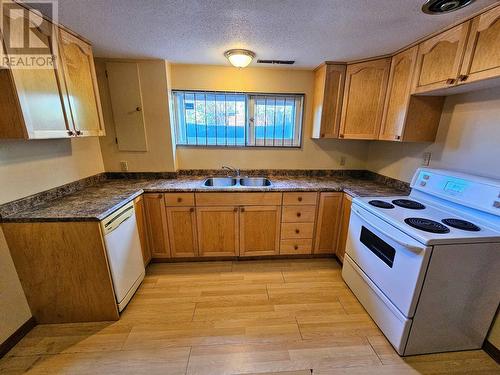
(238, 199)
(299, 198)
(179, 199)
(296, 246)
(298, 214)
(297, 230)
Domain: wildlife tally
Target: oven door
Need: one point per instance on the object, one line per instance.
(395, 262)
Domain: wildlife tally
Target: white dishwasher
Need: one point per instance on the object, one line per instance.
(123, 247)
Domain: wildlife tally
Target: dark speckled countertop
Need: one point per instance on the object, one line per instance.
(94, 203)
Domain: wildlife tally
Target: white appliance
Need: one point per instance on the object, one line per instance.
(123, 247)
(427, 267)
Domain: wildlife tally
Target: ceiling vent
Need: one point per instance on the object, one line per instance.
(278, 62)
(444, 6)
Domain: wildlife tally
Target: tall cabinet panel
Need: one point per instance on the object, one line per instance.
(81, 85)
(364, 95)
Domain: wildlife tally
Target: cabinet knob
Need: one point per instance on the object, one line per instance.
(191, 209)
(463, 77)
(235, 209)
(299, 199)
(70, 133)
(79, 132)
(341, 135)
(242, 209)
(295, 247)
(299, 214)
(397, 137)
(450, 81)
(322, 135)
(138, 109)
(297, 231)
(179, 200)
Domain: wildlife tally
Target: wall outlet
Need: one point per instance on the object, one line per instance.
(124, 166)
(342, 160)
(426, 160)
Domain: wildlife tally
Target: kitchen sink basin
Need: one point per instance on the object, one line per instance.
(255, 181)
(220, 181)
(237, 182)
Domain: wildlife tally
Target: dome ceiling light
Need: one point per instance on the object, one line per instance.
(239, 58)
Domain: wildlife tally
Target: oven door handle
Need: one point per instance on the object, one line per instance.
(412, 248)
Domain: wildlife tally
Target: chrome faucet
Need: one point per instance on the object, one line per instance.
(232, 169)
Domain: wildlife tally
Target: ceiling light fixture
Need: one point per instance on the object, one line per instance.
(239, 58)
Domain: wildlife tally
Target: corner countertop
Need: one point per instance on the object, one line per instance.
(95, 203)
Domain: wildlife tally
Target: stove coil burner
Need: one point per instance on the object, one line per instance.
(461, 224)
(381, 204)
(427, 225)
(408, 203)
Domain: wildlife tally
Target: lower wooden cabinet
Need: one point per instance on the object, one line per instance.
(328, 223)
(218, 230)
(182, 232)
(156, 220)
(344, 226)
(260, 230)
(140, 216)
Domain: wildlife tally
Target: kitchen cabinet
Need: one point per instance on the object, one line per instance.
(58, 102)
(363, 103)
(218, 230)
(140, 215)
(81, 85)
(31, 100)
(439, 59)
(344, 226)
(182, 232)
(259, 230)
(329, 80)
(329, 213)
(482, 54)
(157, 230)
(406, 117)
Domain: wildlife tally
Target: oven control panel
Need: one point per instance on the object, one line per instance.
(471, 191)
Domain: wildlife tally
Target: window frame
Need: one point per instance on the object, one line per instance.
(299, 117)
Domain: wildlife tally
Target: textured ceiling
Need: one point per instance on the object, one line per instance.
(199, 31)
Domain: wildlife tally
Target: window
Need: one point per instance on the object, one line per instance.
(237, 119)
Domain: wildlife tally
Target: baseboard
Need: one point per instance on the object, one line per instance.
(13, 339)
(492, 350)
(245, 258)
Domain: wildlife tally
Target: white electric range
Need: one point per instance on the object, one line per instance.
(426, 267)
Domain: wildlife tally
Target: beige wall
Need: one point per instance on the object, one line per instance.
(28, 167)
(468, 140)
(160, 156)
(324, 154)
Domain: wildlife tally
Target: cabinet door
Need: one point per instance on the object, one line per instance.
(328, 93)
(344, 226)
(181, 223)
(218, 231)
(439, 59)
(260, 230)
(38, 90)
(364, 95)
(482, 56)
(140, 215)
(328, 223)
(156, 220)
(81, 85)
(398, 95)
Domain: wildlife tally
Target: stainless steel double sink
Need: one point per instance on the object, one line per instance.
(237, 181)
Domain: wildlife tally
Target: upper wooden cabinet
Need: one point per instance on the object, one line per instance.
(406, 117)
(439, 59)
(329, 80)
(81, 85)
(364, 95)
(482, 55)
(61, 101)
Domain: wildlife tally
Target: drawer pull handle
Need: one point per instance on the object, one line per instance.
(299, 199)
(179, 200)
(297, 231)
(299, 214)
(295, 247)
